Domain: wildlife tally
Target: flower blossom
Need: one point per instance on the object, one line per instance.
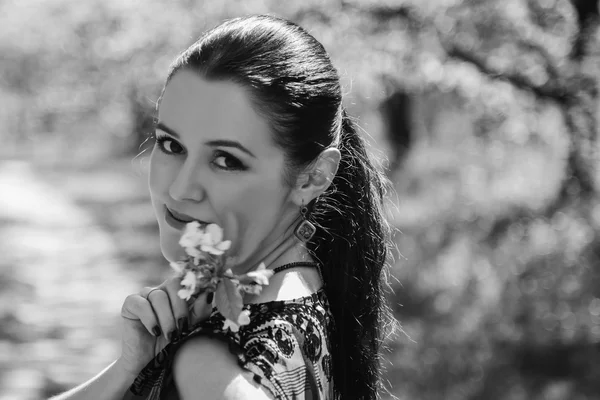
(243, 319)
(206, 269)
(212, 241)
(230, 325)
(192, 236)
(189, 286)
(261, 275)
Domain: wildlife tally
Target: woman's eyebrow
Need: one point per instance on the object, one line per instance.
(165, 128)
(212, 143)
(229, 143)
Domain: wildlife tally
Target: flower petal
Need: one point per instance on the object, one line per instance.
(185, 294)
(232, 326)
(261, 276)
(215, 232)
(211, 250)
(193, 226)
(189, 280)
(193, 252)
(244, 318)
(225, 245)
(192, 238)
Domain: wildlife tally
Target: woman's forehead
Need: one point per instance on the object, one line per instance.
(196, 108)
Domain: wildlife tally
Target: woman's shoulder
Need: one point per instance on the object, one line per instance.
(220, 377)
(284, 349)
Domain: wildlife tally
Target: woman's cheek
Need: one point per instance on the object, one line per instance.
(235, 229)
(242, 221)
(154, 173)
(162, 174)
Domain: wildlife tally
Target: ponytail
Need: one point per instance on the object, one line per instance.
(352, 245)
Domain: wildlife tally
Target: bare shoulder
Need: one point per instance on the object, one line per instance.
(205, 369)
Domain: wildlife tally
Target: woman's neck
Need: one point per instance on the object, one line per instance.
(280, 250)
(299, 281)
(288, 251)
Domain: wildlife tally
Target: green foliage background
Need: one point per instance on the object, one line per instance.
(496, 200)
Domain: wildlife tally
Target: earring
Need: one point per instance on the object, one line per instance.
(305, 229)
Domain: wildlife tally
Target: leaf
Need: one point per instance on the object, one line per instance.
(228, 300)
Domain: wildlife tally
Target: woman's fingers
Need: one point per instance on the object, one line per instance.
(137, 308)
(201, 308)
(178, 305)
(161, 305)
(162, 310)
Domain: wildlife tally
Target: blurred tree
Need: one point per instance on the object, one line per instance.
(587, 19)
(397, 111)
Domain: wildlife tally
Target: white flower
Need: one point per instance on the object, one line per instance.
(229, 324)
(261, 275)
(189, 286)
(215, 233)
(219, 248)
(194, 252)
(185, 294)
(212, 242)
(189, 280)
(244, 318)
(209, 239)
(192, 236)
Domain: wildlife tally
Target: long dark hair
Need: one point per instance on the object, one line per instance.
(294, 85)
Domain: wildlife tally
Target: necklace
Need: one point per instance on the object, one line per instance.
(297, 264)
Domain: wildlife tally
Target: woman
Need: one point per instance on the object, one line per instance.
(252, 135)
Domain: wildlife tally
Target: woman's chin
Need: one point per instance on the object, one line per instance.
(171, 249)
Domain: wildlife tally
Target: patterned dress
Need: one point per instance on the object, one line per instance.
(285, 346)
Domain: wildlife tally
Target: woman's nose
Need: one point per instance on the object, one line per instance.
(187, 186)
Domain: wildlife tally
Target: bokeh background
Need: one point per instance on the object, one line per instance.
(484, 113)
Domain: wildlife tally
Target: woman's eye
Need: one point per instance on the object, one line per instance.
(227, 161)
(169, 146)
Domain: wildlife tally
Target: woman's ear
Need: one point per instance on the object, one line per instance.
(317, 178)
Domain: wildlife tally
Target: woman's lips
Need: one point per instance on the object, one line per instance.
(179, 216)
(178, 220)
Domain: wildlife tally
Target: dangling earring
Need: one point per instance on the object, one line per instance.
(305, 229)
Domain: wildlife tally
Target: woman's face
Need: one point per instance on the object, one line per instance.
(214, 161)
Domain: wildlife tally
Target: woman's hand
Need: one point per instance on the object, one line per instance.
(154, 317)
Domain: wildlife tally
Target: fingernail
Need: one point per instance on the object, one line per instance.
(156, 330)
(173, 335)
(183, 324)
(209, 298)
